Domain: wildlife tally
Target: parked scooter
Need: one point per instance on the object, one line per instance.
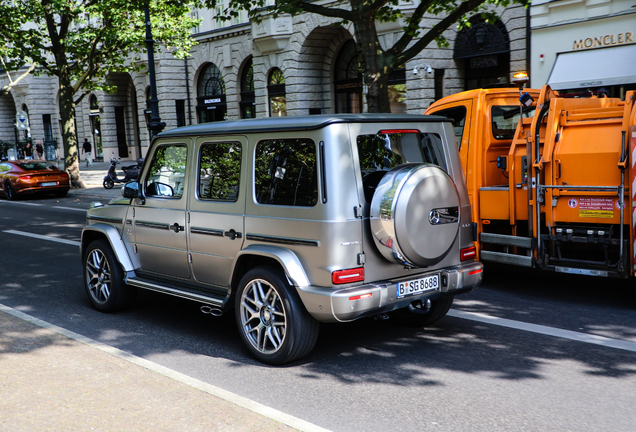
(131, 172)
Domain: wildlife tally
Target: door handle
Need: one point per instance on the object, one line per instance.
(232, 234)
(176, 227)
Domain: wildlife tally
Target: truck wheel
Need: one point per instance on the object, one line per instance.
(103, 279)
(439, 309)
(272, 320)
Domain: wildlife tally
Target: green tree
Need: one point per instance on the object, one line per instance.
(82, 41)
(377, 61)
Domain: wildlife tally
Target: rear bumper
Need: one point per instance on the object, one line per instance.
(335, 304)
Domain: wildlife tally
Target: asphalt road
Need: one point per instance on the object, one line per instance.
(500, 361)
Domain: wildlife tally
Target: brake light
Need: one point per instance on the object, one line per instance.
(468, 253)
(64, 175)
(348, 276)
(26, 177)
(392, 131)
(475, 272)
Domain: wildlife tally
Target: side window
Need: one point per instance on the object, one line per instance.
(458, 114)
(382, 152)
(5, 167)
(505, 120)
(166, 176)
(285, 172)
(219, 171)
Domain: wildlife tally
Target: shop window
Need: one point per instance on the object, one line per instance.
(397, 91)
(348, 80)
(211, 102)
(180, 109)
(248, 96)
(276, 93)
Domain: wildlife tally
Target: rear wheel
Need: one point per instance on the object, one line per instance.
(108, 183)
(272, 320)
(439, 309)
(104, 280)
(9, 192)
(61, 193)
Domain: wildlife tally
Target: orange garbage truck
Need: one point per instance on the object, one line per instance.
(551, 178)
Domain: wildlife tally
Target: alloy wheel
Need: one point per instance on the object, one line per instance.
(263, 319)
(98, 277)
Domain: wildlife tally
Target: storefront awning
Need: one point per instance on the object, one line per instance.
(594, 68)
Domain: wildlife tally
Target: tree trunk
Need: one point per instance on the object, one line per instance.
(69, 137)
(376, 69)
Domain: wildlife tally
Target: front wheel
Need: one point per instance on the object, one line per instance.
(108, 183)
(104, 279)
(439, 309)
(272, 320)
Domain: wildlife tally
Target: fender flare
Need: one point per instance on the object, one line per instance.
(116, 243)
(287, 259)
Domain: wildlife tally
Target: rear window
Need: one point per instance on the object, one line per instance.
(506, 118)
(381, 152)
(35, 166)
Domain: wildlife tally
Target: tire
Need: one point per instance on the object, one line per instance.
(272, 321)
(103, 279)
(9, 192)
(108, 183)
(439, 309)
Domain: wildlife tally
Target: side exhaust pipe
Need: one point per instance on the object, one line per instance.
(211, 310)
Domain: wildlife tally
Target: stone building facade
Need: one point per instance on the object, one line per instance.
(286, 66)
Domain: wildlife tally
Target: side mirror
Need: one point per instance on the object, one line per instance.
(131, 190)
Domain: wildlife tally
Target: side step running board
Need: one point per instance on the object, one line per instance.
(500, 257)
(506, 240)
(176, 291)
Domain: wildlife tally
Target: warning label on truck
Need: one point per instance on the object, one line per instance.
(596, 208)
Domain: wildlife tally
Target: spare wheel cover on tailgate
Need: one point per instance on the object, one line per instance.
(415, 215)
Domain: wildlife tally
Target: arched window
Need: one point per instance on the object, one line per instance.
(276, 93)
(348, 80)
(485, 51)
(247, 91)
(211, 105)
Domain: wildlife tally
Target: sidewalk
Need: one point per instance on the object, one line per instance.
(50, 382)
(93, 178)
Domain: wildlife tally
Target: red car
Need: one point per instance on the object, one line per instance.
(23, 177)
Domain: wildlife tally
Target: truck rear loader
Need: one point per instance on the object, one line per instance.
(550, 177)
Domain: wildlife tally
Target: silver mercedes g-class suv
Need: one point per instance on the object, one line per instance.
(291, 221)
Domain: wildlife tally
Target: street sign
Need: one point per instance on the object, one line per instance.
(22, 120)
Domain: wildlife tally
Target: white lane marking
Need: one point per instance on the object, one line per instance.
(241, 401)
(43, 237)
(69, 208)
(22, 203)
(545, 330)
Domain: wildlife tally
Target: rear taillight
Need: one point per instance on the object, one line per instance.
(348, 276)
(468, 253)
(64, 175)
(26, 177)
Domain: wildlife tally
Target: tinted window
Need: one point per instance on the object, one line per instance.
(219, 171)
(505, 120)
(34, 166)
(167, 172)
(379, 153)
(458, 114)
(285, 172)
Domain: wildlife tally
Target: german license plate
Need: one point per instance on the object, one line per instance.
(48, 184)
(417, 286)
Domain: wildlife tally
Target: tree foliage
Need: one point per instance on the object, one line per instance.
(379, 61)
(81, 42)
